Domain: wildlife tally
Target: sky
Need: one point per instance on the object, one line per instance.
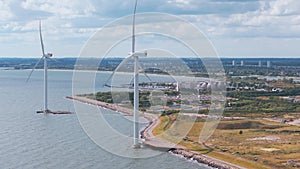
(236, 28)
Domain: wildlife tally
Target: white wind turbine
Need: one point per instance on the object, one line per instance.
(45, 57)
(135, 55)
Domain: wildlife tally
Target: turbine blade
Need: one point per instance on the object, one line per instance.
(133, 27)
(55, 60)
(41, 38)
(34, 68)
(143, 71)
(121, 64)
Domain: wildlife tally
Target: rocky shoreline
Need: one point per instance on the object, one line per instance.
(168, 147)
(212, 162)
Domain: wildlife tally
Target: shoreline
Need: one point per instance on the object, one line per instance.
(163, 75)
(120, 73)
(158, 143)
(204, 159)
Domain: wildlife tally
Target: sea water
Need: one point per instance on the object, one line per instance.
(29, 140)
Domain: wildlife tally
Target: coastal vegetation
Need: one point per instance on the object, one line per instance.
(254, 134)
(252, 140)
(247, 105)
(122, 97)
(254, 97)
(256, 129)
(248, 143)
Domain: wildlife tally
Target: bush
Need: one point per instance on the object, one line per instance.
(169, 112)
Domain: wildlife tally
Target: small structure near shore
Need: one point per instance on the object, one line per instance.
(53, 112)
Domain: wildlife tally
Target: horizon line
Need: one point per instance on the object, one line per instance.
(154, 57)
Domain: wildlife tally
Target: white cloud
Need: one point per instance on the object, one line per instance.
(182, 4)
(284, 7)
(62, 8)
(71, 21)
(273, 19)
(10, 26)
(5, 11)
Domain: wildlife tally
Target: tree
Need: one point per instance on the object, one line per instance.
(169, 102)
(185, 102)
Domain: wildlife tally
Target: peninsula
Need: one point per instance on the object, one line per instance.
(259, 128)
(159, 143)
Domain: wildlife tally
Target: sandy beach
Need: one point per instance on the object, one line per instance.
(158, 143)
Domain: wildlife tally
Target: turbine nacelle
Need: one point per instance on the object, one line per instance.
(138, 54)
(48, 55)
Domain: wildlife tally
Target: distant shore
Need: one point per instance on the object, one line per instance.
(295, 78)
(156, 142)
(121, 73)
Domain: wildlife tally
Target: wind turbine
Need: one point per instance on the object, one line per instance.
(135, 55)
(46, 57)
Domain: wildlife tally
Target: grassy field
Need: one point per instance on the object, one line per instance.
(251, 143)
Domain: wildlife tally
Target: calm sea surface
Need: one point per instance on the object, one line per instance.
(30, 140)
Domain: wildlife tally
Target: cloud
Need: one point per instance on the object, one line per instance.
(62, 8)
(73, 22)
(284, 7)
(274, 19)
(5, 11)
(118, 8)
(201, 7)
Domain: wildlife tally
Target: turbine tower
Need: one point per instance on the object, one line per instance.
(137, 67)
(136, 135)
(45, 57)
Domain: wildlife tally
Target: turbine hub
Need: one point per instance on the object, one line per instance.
(140, 54)
(49, 55)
